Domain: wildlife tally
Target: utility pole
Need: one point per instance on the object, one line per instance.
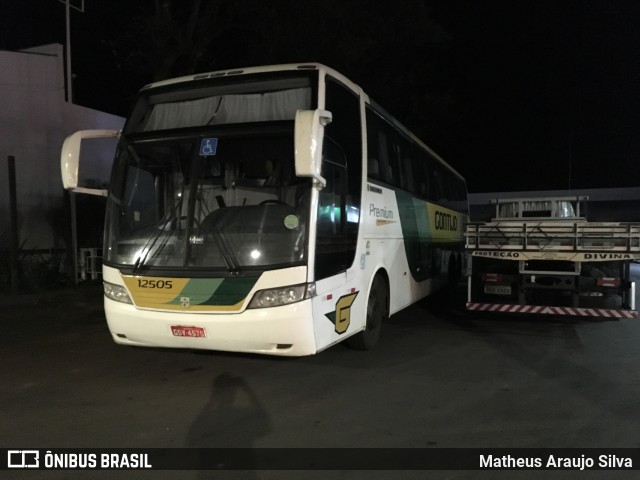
(69, 83)
(69, 76)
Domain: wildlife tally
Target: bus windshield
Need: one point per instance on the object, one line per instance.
(242, 208)
(204, 179)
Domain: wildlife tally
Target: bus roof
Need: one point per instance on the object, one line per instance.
(253, 70)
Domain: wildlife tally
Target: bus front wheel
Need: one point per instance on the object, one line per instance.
(376, 314)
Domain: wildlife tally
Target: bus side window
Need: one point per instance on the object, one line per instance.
(381, 150)
(373, 167)
(434, 181)
(396, 178)
(376, 148)
(421, 177)
(408, 175)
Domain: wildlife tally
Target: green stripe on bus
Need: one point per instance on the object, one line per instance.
(231, 291)
(215, 291)
(198, 290)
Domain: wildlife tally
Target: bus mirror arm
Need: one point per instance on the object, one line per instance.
(70, 159)
(99, 192)
(309, 133)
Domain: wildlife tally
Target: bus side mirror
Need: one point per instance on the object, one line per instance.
(70, 159)
(309, 132)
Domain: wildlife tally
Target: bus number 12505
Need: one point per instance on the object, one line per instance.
(145, 283)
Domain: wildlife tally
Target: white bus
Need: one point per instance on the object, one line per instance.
(274, 210)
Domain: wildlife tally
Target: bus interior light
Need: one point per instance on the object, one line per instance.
(116, 292)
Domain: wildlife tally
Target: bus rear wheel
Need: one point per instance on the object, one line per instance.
(376, 314)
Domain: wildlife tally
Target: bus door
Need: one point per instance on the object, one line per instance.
(339, 306)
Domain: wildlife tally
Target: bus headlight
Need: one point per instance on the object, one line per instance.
(276, 297)
(116, 292)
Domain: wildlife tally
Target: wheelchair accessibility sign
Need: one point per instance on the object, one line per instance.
(208, 147)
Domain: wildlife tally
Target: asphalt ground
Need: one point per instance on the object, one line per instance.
(439, 378)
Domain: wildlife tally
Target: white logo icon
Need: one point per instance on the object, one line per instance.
(23, 458)
(185, 302)
(207, 148)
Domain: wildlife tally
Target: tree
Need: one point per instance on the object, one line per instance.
(166, 37)
(397, 52)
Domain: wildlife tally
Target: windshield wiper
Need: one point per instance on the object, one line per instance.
(137, 266)
(227, 252)
(165, 223)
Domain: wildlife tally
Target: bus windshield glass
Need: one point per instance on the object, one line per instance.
(196, 186)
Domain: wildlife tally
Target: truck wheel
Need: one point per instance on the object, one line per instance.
(376, 314)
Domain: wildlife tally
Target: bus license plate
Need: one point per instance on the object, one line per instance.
(182, 331)
(497, 289)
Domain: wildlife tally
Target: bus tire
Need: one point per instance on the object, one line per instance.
(376, 314)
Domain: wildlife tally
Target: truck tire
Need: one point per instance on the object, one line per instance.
(376, 314)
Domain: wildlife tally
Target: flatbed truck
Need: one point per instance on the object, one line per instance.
(542, 256)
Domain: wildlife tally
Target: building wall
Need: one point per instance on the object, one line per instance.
(34, 121)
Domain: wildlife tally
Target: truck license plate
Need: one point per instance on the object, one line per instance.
(497, 289)
(183, 331)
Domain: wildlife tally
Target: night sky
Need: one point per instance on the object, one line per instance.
(517, 95)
